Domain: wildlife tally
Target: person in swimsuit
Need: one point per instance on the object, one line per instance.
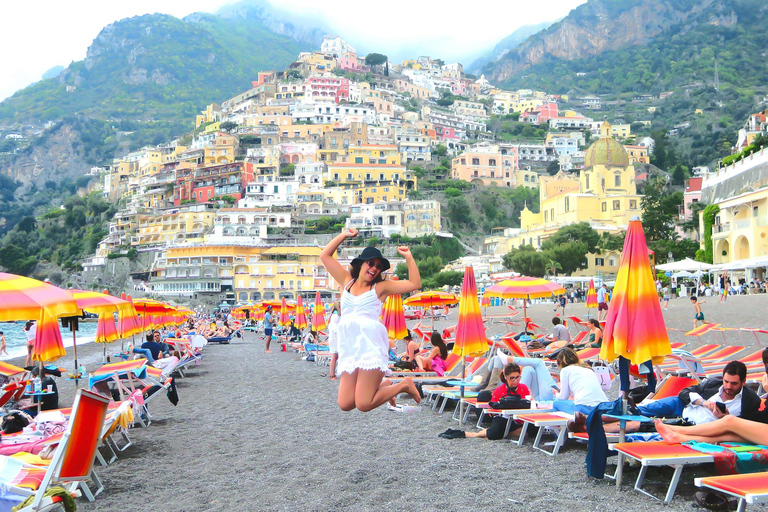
(363, 342)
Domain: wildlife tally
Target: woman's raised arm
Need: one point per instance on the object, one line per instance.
(413, 282)
(339, 273)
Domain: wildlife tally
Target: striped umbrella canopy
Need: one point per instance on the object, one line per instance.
(634, 328)
(106, 332)
(154, 313)
(128, 322)
(394, 317)
(591, 295)
(318, 315)
(96, 302)
(486, 301)
(276, 304)
(22, 298)
(430, 299)
(284, 318)
(524, 288)
(301, 315)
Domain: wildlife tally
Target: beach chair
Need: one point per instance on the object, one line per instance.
(754, 331)
(113, 420)
(659, 453)
(133, 371)
(225, 340)
(578, 321)
(557, 421)
(748, 488)
(72, 462)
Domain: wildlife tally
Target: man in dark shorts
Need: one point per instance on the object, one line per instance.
(268, 327)
(602, 303)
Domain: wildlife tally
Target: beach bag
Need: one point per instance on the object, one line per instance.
(311, 358)
(603, 373)
(14, 422)
(405, 365)
(511, 401)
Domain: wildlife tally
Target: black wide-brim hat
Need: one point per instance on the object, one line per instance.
(371, 253)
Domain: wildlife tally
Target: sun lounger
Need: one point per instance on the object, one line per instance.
(72, 462)
(557, 421)
(748, 488)
(658, 453)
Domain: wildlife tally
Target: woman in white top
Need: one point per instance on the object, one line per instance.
(579, 386)
(30, 329)
(333, 339)
(363, 343)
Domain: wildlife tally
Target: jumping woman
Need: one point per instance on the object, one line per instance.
(363, 343)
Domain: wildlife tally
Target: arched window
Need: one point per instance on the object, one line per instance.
(426, 216)
(411, 216)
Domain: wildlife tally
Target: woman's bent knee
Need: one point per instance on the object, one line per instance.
(346, 405)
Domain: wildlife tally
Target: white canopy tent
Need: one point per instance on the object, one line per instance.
(687, 264)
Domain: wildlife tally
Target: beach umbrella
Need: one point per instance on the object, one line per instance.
(591, 296)
(430, 299)
(22, 298)
(284, 318)
(318, 315)
(301, 316)
(634, 328)
(127, 320)
(394, 317)
(525, 288)
(470, 330)
(105, 306)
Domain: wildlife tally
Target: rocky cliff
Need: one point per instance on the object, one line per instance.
(601, 25)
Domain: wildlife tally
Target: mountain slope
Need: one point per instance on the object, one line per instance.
(506, 45)
(156, 68)
(643, 46)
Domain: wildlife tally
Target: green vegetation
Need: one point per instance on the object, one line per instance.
(431, 253)
(706, 254)
(509, 128)
(325, 224)
(62, 237)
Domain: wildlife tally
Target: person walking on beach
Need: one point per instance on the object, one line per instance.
(699, 314)
(30, 329)
(602, 302)
(2, 344)
(363, 342)
(268, 327)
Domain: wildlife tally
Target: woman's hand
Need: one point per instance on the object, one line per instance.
(351, 233)
(404, 251)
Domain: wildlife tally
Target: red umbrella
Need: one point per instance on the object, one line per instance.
(394, 317)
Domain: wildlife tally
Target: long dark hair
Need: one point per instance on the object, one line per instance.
(355, 272)
(437, 341)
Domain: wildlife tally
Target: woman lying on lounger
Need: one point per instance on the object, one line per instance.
(363, 340)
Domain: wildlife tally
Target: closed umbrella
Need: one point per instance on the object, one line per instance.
(591, 296)
(470, 329)
(301, 315)
(635, 329)
(394, 317)
(284, 318)
(318, 315)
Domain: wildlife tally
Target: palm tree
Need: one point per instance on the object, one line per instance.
(552, 267)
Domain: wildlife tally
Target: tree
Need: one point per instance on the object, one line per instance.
(553, 266)
(611, 242)
(657, 223)
(580, 231)
(679, 175)
(228, 126)
(452, 192)
(287, 169)
(375, 59)
(440, 150)
(448, 278)
(526, 260)
(571, 255)
(459, 212)
(553, 168)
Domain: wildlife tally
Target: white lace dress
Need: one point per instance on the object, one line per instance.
(363, 341)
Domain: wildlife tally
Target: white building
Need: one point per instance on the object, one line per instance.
(413, 146)
(335, 46)
(376, 219)
(265, 194)
(319, 114)
(311, 174)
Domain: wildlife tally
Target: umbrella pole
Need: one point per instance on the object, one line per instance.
(463, 376)
(74, 347)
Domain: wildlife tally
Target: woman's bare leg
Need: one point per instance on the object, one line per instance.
(370, 394)
(347, 386)
(334, 358)
(483, 434)
(729, 428)
(30, 348)
(387, 382)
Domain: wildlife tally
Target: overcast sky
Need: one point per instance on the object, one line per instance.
(38, 35)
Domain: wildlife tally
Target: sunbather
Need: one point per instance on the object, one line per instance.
(510, 387)
(435, 360)
(363, 339)
(595, 339)
(579, 386)
(729, 428)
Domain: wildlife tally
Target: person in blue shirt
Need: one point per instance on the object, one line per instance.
(268, 327)
(602, 303)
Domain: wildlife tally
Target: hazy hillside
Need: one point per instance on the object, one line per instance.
(504, 46)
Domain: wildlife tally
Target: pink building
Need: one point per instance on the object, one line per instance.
(691, 195)
(349, 62)
(445, 132)
(332, 86)
(542, 114)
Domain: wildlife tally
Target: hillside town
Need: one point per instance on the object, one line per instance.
(224, 211)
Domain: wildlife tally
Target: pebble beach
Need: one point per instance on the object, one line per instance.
(257, 431)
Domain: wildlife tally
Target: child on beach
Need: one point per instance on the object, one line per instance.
(560, 304)
(699, 315)
(2, 344)
(363, 342)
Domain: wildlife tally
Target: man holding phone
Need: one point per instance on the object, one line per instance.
(709, 400)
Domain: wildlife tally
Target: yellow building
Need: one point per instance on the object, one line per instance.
(209, 115)
(382, 154)
(603, 195)
(421, 217)
(189, 224)
(637, 154)
(526, 105)
(363, 173)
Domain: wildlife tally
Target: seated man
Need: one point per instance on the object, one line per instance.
(559, 332)
(154, 345)
(702, 403)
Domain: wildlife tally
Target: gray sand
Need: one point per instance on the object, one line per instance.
(256, 431)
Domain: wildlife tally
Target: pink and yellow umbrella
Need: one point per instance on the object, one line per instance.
(106, 332)
(284, 318)
(524, 288)
(22, 298)
(591, 295)
(301, 316)
(128, 322)
(634, 328)
(394, 317)
(318, 315)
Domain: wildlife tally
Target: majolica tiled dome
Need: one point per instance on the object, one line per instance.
(606, 151)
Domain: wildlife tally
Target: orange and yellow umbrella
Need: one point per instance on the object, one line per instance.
(591, 295)
(127, 321)
(96, 302)
(485, 301)
(284, 318)
(394, 317)
(301, 316)
(430, 299)
(106, 332)
(634, 328)
(318, 315)
(22, 298)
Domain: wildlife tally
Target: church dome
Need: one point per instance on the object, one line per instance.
(606, 151)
